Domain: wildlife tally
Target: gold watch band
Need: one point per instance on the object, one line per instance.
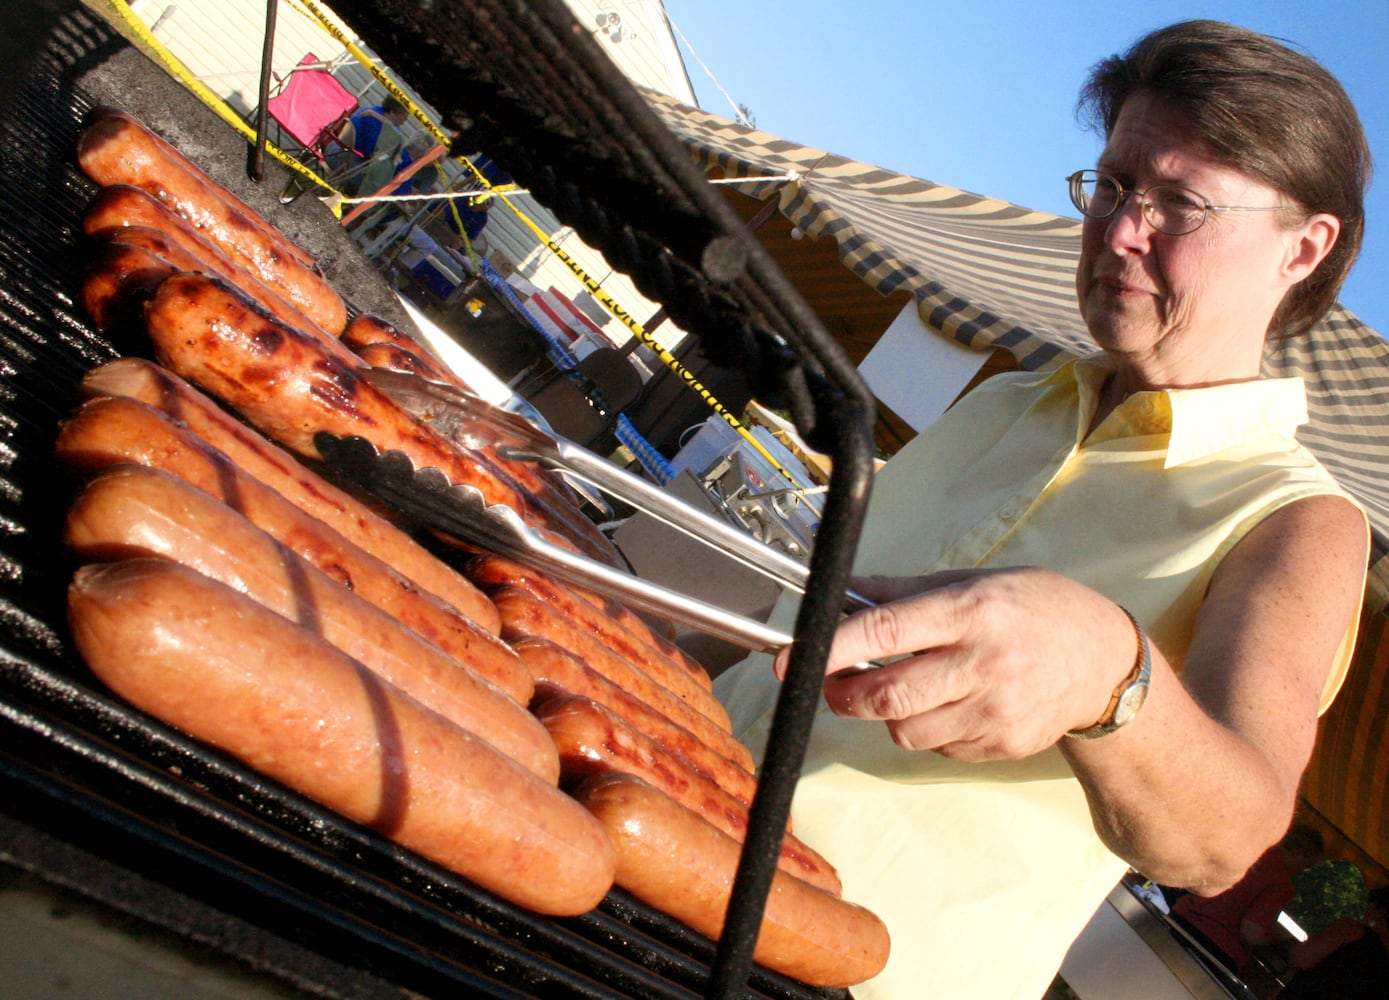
(1134, 686)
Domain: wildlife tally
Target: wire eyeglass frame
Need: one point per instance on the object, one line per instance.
(1161, 205)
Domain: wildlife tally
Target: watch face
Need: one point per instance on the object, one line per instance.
(1129, 703)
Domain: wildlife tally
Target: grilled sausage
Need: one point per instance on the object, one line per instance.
(647, 630)
(117, 149)
(478, 435)
(142, 380)
(113, 430)
(128, 266)
(116, 208)
(119, 280)
(133, 511)
(495, 571)
(492, 571)
(557, 673)
(161, 244)
(679, 863)
(525, 616)
(398, 351)
(122, 206)
(594, 740)
(287, 384)
(364, 330)
(395, 358)
(131, 215)
(164, 149)
(222, 668)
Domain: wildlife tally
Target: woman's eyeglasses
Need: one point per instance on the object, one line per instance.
(1168, 208)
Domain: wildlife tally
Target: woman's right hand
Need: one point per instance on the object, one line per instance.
(984, 664)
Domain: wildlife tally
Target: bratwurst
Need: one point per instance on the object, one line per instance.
(132, 511)
(252, 453)
(558, 672)
(117, 149)
(289, 385)
(113, 430)
(228, 671)
(592, 740)
(679, 863)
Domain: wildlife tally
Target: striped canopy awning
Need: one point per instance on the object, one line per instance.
(991, 274)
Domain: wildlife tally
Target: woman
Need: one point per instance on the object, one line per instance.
(1132, 550)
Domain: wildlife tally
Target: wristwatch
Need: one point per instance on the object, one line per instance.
(1129, 696)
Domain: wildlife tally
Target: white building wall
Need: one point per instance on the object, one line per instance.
(638, 39)
(220, 41)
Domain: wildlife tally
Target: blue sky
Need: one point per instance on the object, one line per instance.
(979, 94)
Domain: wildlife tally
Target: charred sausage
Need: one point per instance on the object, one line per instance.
(365, 330)
(492, 571)
(126, 268)
(119, 279)
(112, 430)
(289, 385)
(166, 150)
(398, 351)
(129, 214)
(557, 673)
(395, 358)
(117, 149)
(138, 379)
(524, 616)
(496, 571)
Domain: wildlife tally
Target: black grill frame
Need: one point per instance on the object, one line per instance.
(98, 797)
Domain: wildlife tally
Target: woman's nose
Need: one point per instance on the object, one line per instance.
(1129, 227)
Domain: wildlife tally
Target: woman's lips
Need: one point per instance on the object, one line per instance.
(1119, 286)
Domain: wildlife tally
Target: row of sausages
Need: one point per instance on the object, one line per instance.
(542, 741)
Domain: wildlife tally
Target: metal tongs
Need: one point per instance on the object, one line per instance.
(461, 511)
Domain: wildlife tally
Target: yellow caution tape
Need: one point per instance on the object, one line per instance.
(382, 77)
(596, 290)
(336, 200)
(640, 332)
(179, 71)
(462, 229)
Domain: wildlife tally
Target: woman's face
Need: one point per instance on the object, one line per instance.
(1194, 306)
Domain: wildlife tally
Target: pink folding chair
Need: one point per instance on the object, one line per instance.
(312, 107)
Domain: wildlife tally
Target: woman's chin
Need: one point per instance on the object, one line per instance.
(1120, 336)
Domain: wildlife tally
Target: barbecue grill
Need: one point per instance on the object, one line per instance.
(100, 799)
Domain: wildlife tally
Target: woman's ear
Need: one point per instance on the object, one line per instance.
(1308, 245)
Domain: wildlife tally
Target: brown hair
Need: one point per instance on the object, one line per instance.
(1267, 111)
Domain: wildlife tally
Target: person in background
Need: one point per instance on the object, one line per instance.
(1346, 960)
(377, 144)
(1114, 597)
(412, 151)
(1235, 922)
(418, 246)
(438, 215)
(474, 214)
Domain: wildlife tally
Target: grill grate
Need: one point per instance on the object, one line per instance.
(99, 798)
